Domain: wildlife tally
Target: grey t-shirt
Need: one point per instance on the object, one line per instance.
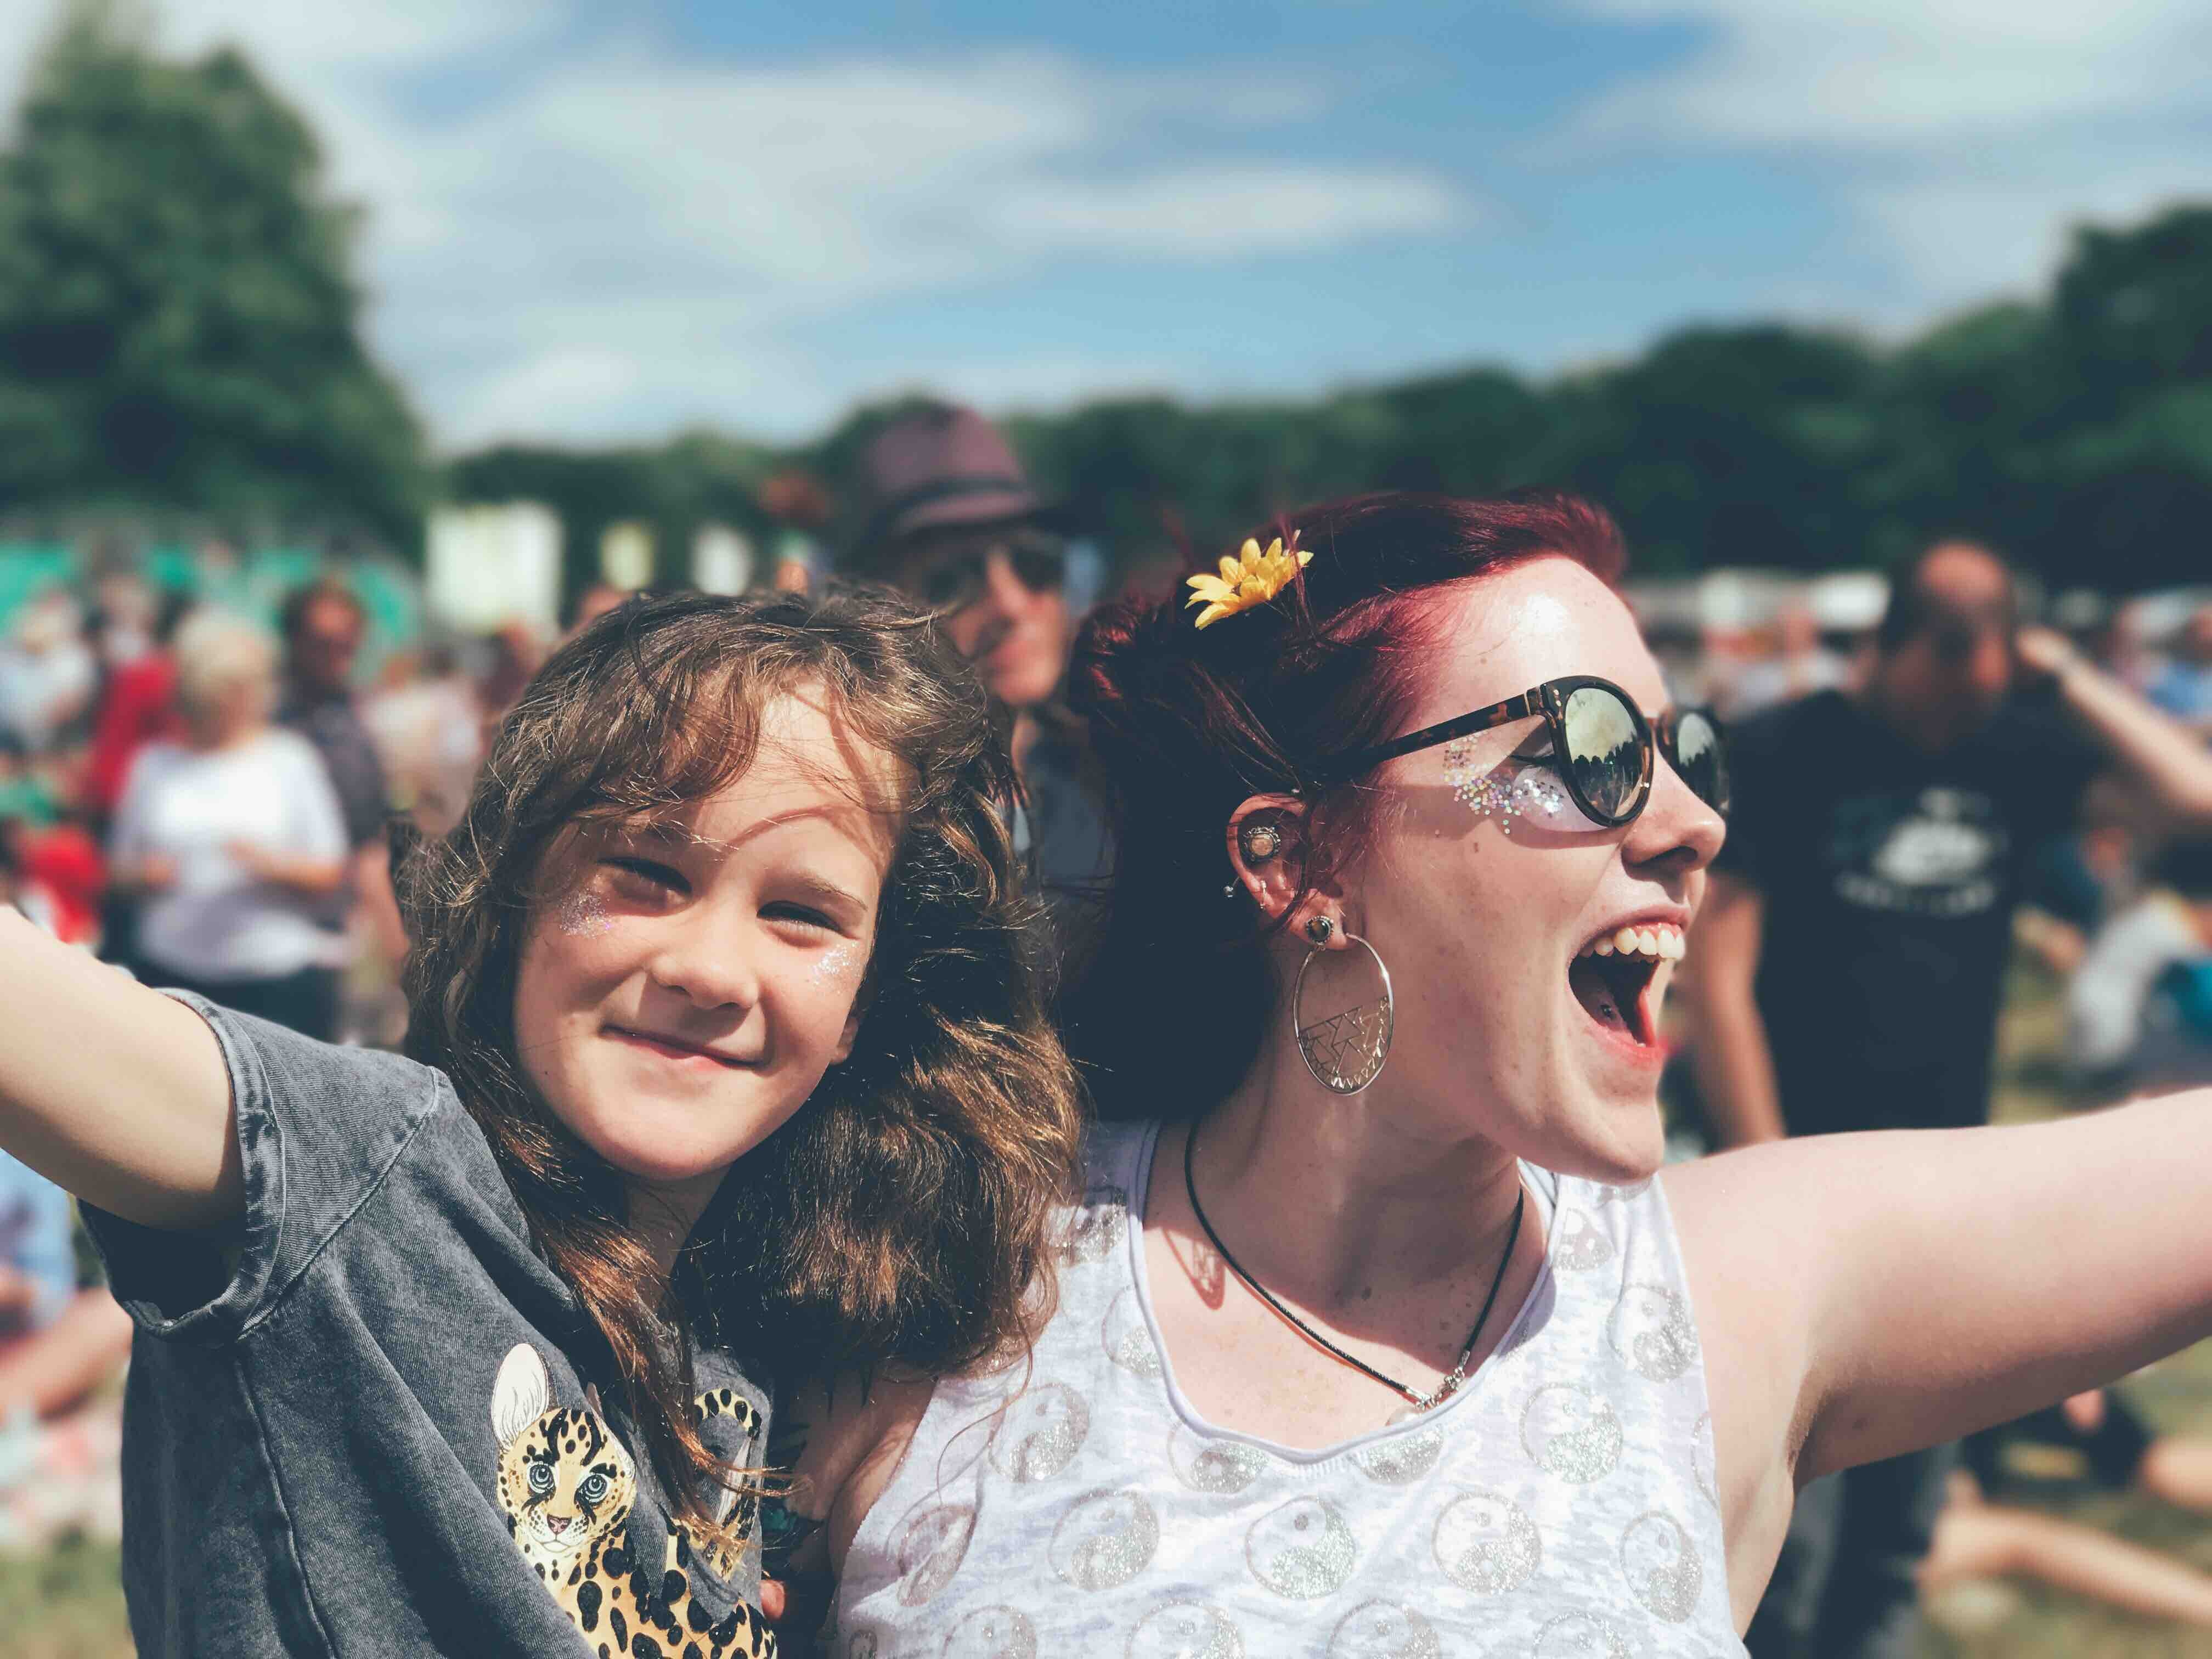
(314, 1433)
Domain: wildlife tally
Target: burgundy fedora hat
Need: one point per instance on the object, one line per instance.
(935, 468)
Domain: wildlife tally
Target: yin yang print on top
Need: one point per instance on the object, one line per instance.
(1303, 1549)
(1185, 1630)
(1560, 1506)
(992, 1633)
(1383, 1629)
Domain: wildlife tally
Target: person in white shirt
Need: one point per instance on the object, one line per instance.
(2131, 1007)
(229, 838)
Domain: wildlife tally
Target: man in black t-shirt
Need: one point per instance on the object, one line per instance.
(1846, 970)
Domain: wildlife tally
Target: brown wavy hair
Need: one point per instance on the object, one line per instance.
(900, 1218)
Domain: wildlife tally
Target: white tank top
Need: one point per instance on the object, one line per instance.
(1561, 1504)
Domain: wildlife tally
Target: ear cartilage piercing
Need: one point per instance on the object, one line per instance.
(1527, 795)
(1321, 930)
(1260, 841)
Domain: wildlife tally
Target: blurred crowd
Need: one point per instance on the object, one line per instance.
(208, 799)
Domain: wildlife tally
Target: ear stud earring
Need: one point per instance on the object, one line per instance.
(1260, 842)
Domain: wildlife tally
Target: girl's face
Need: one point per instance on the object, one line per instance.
(683, 989)
(1504, 1010)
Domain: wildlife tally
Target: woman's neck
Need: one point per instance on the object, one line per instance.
(1334, 1201)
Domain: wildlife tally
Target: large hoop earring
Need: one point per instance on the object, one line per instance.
(1347, 1051)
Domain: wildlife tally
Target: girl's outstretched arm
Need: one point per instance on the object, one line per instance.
(110, 1090)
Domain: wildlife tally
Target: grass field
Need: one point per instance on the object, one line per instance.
(66, 1604)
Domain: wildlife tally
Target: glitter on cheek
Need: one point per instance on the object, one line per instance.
(1526, 794)
(834, 962)
(583, 915)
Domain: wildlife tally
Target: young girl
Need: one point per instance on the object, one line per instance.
(721, 1052)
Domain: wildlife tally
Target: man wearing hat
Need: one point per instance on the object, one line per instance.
(944, 512)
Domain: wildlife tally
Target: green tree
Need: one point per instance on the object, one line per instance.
(179, 325)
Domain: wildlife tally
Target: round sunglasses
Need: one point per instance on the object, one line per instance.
(1602, 747)
(952, 574)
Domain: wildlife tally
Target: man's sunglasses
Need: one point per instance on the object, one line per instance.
(954, 577)
(1602, 747)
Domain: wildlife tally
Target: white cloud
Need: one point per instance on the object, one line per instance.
(1965, 137)
(1891, 74)
(610, 236)
(1960, 232)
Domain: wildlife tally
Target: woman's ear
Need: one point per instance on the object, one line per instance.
(1270, 856)
(1266, 846)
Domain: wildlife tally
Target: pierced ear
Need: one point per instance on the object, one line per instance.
(522, 1395)
(1319, 923)
(1270, 874)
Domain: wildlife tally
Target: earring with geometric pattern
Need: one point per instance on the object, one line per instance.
(1345, 1052)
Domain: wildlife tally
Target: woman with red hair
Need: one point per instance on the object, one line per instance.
(1376, 1330)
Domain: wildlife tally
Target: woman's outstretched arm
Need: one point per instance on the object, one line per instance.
(1882, 1292)
(112, 1090)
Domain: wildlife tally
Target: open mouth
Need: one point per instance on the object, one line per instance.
(1618, 979)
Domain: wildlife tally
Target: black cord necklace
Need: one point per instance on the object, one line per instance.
(1420, 1403)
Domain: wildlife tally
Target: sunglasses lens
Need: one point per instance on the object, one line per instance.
(952, 582)
(1605, 756)
(1041, 567)
(1702, 759)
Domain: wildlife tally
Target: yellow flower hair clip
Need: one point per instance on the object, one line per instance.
(1253, 579)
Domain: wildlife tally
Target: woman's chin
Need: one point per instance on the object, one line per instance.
(1618, 1142)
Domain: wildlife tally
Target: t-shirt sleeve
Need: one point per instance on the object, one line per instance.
(1757, 749)
(2053, 762)
(364, 792)
(318, 1127)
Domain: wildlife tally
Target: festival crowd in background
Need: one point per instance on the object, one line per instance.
(1925, 797)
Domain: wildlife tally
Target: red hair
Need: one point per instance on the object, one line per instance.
(1186, 725)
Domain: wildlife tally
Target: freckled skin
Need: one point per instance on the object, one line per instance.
(567, 1487)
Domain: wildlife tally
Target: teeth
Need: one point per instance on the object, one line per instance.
(1661, 943)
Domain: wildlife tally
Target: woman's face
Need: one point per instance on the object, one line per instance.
(682, 989)
(1503, 1008)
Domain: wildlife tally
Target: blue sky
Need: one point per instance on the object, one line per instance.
(594, 223)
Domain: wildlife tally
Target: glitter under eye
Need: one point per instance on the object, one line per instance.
(834, 964)
(1526, 793)
(584, 913)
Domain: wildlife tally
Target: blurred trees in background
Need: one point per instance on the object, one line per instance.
(2075, 433)
(179, 325)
